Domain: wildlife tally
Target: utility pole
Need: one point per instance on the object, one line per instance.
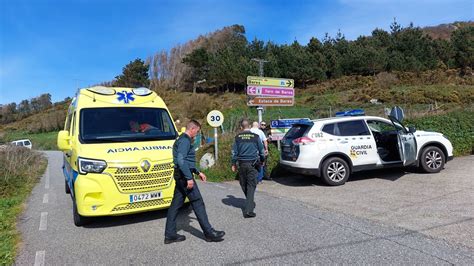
(260, 73)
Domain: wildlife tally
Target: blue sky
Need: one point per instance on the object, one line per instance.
(56, 46)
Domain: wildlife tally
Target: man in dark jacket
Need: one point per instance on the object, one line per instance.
(184, 159)
(247, 154)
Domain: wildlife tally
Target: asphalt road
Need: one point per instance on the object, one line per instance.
(439, 205)
(285, 231)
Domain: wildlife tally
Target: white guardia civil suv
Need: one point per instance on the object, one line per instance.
(333, 148)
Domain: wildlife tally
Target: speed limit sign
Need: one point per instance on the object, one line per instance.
(215, 118)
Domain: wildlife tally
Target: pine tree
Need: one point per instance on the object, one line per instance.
(134, 75)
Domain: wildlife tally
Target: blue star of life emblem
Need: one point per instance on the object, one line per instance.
(125, 96)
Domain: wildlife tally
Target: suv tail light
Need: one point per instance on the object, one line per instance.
(302, 140)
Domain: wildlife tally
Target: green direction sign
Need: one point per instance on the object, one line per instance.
(265, 81)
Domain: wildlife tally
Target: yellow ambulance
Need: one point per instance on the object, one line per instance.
(117, 146)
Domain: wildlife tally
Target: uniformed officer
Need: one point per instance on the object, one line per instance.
(247, 154)
(184, 159)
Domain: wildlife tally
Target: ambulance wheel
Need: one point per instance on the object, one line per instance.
(66, 187)
(335, 171)
(432, 160)
(79, 220)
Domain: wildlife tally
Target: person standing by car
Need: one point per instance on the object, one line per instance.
(184, 159)
(266, 130)
(261, 135)
(247, 154)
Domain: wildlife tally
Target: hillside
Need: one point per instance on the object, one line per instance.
(443, 31)
(420, 94)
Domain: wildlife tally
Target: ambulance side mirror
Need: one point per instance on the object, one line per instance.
(63, 140)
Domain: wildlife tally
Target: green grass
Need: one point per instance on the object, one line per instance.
(457, 126)
(40, 141)
(16, 182)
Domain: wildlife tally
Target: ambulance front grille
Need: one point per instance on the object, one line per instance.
(142, 204)
(132, 179)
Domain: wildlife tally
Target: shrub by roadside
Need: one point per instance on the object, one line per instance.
(20, 169)
(457, 126)
(221, 171)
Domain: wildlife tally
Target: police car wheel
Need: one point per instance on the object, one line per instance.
(432, 160)
(335, 171)
(66, 187)
(79, 220)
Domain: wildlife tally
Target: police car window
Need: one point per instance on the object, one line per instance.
(118, 124)
(329, 128)
(352, 128)
(380, 126)
(297, 131)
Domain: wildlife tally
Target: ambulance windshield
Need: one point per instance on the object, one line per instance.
(104, 125)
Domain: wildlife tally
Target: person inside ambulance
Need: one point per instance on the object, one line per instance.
(137, 127)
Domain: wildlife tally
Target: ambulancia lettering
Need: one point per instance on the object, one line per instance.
(144, 148)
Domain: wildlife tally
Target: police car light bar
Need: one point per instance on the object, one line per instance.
(355, 112)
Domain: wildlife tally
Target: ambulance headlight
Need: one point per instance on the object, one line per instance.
(91, 166)
(141, 91)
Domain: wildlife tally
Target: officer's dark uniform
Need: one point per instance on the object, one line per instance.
(184, 159)
(247, 153)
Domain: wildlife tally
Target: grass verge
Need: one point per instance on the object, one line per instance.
(20, 169)
(40, 141)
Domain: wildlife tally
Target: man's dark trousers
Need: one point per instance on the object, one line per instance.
(248, 182)
(195, 198)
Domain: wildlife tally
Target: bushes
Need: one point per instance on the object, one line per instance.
(221, 171)
(457, 126)
(19, 171)
(19, 167)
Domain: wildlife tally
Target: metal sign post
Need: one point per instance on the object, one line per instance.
(215, 119)
(266, 91)
(215, 145)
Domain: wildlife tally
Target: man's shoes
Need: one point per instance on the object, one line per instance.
(214, 236)
(176, 238)
(249, 215)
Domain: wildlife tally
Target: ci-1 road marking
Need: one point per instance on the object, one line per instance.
(43, 221)
(46, 198)
(39, 258)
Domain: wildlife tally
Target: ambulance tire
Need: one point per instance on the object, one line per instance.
(79, 220)
(335, 171)
(432, 160)
(66, 187)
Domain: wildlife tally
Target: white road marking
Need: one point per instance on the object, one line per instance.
(39, 258)
(46, 198)
(46, 185)
(220, 186)
(43, 221)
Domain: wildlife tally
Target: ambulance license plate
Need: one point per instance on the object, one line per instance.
(145, 196)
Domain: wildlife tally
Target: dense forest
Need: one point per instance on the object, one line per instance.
(221, 60)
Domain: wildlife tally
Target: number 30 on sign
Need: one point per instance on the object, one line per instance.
(215, 118)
